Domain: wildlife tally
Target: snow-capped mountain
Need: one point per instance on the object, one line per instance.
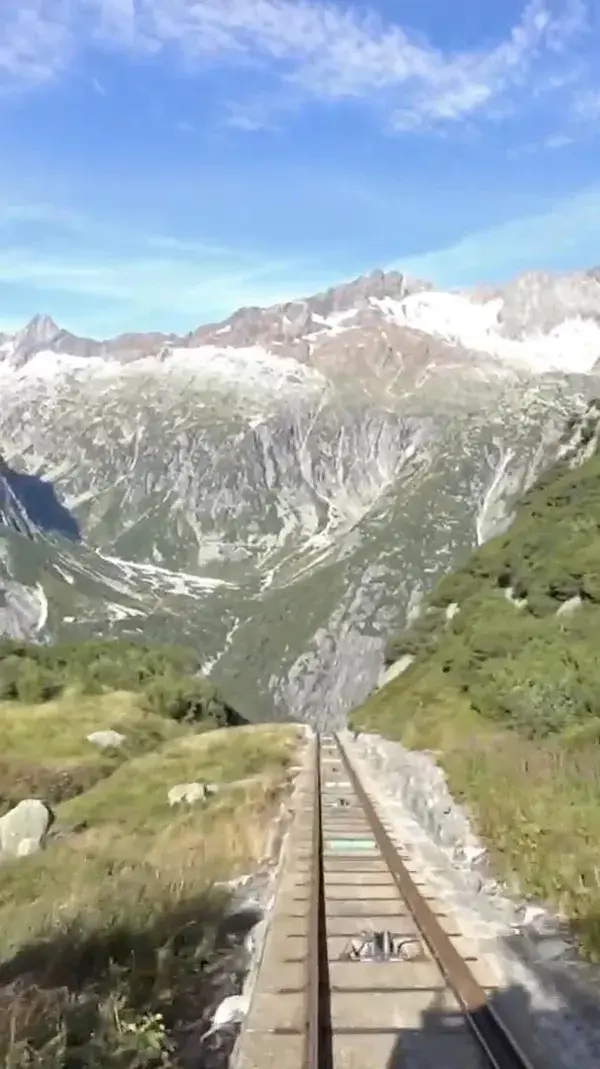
(279, 488)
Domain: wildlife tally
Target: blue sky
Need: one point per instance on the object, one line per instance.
(166, 161)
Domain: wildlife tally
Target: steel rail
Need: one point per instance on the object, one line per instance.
(318, 1050)
(501, 1048)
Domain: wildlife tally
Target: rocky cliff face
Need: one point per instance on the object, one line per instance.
(279, 488)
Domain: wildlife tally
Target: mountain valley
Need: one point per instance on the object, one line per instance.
(280, 490)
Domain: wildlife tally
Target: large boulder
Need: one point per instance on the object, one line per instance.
(24, 828)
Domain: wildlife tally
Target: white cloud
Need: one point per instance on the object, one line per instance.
(315, 49)
(36, 41)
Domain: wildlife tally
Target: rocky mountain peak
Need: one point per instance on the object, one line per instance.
(300, 327)
(40, 330)
(356, 294)
(40, 333)
(542, 300)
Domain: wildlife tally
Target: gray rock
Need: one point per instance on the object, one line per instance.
(569, 606)
(472, 881)
(396, 669)
(552, 948)
(23, 829)
(106, 739)
(26, 847)
(187, 792)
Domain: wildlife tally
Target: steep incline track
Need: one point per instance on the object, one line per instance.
(332, 993)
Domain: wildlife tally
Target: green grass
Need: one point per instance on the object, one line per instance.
(508, 697)
(44, 749)
(130, 824)
(112, 938)
(134, 799)
(58, 729)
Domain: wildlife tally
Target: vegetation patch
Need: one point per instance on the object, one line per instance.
(53, 697)
(505, 688)
(113, 939)
(169, 678)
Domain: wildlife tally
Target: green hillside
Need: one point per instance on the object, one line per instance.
(113, 939)
(505, 686)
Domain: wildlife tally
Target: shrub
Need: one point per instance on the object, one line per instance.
(167, 675)
(36, 683)
(418, 640)
(189, 699)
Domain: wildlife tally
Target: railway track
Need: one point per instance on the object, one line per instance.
(361, 969)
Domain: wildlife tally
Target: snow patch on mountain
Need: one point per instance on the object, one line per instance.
(165, 579)
(486, 521)
(572, 346)
(43, 603)
(23, 609)
(47, 365)
(335, 323)
(253, 367)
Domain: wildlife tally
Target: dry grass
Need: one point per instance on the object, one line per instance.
(120, 921)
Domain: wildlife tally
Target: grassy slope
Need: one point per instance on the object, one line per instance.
(119, 921)
(44, 751)
(508, 694)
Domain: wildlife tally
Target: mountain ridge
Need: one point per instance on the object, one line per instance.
(306, 328)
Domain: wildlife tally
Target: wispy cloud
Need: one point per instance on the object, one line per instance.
(314, 49)
(567, 233)
(558, 141)
(551, 142)
(252, 115)
(36, 41)
(99, 88)
(77, 225)
(15, 212)
(587, 105)
(148, 279)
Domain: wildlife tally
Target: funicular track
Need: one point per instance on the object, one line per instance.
(361, 968)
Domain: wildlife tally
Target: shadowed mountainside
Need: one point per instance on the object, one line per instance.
(27, 500)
